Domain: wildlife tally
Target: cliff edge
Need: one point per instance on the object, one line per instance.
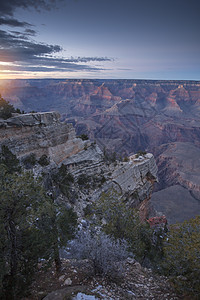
(40, 133)
(43, 133)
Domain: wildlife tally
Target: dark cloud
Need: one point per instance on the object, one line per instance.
(13, 22)
(31, 56)
(30, 32)
(7, 7)
(28, 55)
(15, 48)
(24, 35)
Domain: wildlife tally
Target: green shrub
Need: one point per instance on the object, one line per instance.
(9, 160)
(106, 253)
(126, 159)
(30, 161)
(84, 137)
(88, 211)
(123, 221)
(43, 160)
(6, 109)
(32, 228)
(182, 256)
(63, 179)
(140, 153)
(83, 180)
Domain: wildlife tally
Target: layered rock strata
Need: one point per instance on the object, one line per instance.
(132, 180)
(40, 133)
(43, 133)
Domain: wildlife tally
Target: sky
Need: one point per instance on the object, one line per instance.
(127, 39)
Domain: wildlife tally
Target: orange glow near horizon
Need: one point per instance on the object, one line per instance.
(9, 74)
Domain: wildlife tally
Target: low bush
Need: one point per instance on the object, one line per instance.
(84, 137)
(182, 256)
(43, 160)
(140, 153)
(63, 179)
(83, 180)
(9, 160)
(122, 221)
(6, 109)
(30, 161)
(106, 253)
(126, 159)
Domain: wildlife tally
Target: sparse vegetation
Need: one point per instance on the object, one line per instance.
(32, 228)
(126, 159)
(140, 153)
(83, 180)
(63, 179)
(182, 256)
(109, 157)
(9, 160)
(123, 221)
(23, 240)
(29, 161)
(84, 137)
(44, 160)
(106, 253)
(6, 109)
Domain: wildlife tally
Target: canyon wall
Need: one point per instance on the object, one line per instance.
(126, 116)
(43, 133)
(40, 133)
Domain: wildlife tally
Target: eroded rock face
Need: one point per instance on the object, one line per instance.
(43, 133)
(178, 192)
(133, 180)
(40, 133)
(179, 163)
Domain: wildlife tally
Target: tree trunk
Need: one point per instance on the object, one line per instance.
(11, 285)
(57, 257)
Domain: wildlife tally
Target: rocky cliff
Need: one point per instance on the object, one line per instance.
(132, 180)
(43, 133)
(179, 187)
(122, 115)
(40, 133)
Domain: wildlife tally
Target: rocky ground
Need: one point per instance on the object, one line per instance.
(76, 280)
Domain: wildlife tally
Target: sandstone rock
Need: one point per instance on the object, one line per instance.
(40, 133)
(61, 278)
(43, 133)
(68, 281)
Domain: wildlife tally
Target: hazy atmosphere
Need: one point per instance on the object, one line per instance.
(146, 39)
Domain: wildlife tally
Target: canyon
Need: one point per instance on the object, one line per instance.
(39, 134)
(161, 117)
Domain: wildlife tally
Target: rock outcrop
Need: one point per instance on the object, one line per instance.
(40, 133)
(133, 180)
(122, 115)
(43, 133)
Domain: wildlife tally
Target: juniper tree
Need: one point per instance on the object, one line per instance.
(182, 256)
(6, 109)
(32, 228)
